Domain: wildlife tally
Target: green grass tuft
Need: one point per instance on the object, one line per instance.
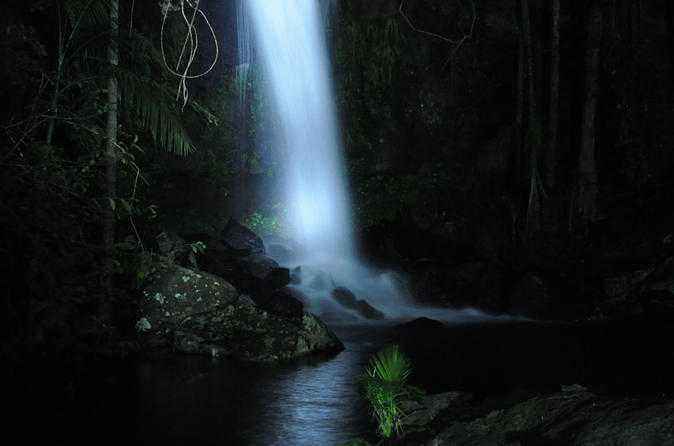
(384, 385)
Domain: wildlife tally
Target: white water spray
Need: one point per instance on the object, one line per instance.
(291, 48)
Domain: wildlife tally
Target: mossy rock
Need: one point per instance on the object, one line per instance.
(194, 312)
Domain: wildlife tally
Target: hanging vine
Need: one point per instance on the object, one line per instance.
(189, 12)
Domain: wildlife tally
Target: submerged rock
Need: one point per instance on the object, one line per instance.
(347, 299)
(198, 313)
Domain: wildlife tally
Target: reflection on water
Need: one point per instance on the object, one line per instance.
(195, 401)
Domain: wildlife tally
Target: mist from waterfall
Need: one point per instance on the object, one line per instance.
(289, 46)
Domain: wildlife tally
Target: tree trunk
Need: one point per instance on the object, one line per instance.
(519, 116)
(588, 187)
(670, 40)
(54, 108)
(111, 153)
(532, 138)
(553, 124)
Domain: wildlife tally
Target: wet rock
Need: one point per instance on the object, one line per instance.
(239, 240)
(261, 275)
(347, 299)
(296, 275)
(281, 253)
(312, 277)
(421, 413)
(421, 325)
(195, 312)
(574, 416)
(255, 274)
(285, 302)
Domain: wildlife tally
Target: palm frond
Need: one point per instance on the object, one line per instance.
(87, 13)
(384, 383)
(390, 365)
(153, 106)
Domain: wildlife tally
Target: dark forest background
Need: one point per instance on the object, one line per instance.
(510, 155)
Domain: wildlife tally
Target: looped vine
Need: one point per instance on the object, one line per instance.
(189, 11)
(457, 43)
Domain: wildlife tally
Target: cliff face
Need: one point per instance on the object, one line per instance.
(441, 139)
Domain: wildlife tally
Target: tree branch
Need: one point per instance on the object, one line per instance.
(456, 42)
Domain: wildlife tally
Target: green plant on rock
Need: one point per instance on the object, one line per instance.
(263, 224)
(384, 384)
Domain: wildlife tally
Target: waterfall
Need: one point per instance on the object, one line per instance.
(290, 48)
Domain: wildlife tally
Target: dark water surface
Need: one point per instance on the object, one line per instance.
(313, 401)
(200, 401)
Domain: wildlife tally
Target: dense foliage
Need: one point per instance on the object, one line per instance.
(496, 150)
(55, 74)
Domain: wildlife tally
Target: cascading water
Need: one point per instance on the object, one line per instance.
(290, 46)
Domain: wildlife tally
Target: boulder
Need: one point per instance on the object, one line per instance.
(314, 278)
(285, 301)
(419, 414)
(238, 240)
(198, 313)
(281, 253)
(421, 325)
(347, 299)
(573, 416)
(260, 275)
(255, 274)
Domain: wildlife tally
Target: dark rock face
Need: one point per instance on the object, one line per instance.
(419, 414)
(422, 325)
(574, 416)
(658, 291)
(286, 302)
(347, 299)
(175, 249)
(238, 256)
(198, 313)
(239, 240)
(280, 252)
(533, 296)
(474, 283)
(260, 275)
